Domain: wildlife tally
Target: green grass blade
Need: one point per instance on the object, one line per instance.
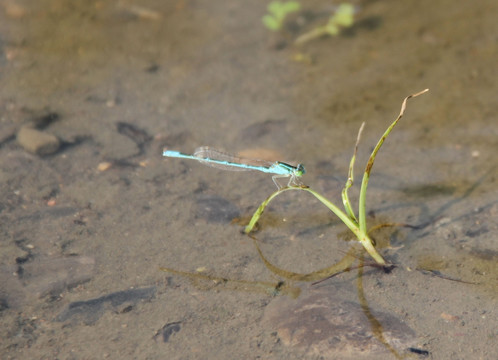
(350, 181)
(362, 236)
(351, 224)
(259, 211)
(368, 169)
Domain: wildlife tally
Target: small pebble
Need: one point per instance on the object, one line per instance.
(14, 10)
(37, 142)
(449, 317)
(104, 166)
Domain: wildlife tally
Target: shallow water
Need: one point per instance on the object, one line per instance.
(117, 81)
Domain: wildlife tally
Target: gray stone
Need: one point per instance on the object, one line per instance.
(37, 142)
(323, 323)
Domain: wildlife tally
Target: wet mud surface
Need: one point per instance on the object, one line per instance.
(91, 92)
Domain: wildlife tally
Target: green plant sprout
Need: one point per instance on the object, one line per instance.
(343, 17)
(278, 10)
(358, 224)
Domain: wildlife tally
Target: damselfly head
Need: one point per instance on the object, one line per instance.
(300, 170)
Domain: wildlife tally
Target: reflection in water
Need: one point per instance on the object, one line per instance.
(270, 288)
(377, 328)
(342, 328)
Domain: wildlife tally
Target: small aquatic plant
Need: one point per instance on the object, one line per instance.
(277, 11)
(357, 224)
(342, 17)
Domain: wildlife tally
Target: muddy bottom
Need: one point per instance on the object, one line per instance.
(93, 91)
